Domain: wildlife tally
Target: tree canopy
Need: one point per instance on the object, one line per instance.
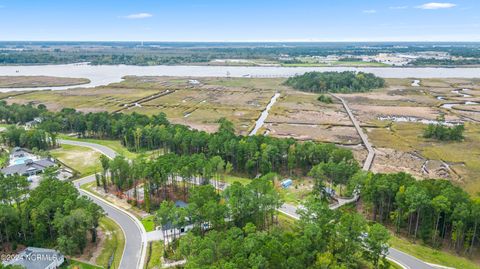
(343, 82)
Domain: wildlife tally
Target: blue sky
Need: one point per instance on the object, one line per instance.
(240, 20)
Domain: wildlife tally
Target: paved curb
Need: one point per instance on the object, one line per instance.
(141, 263)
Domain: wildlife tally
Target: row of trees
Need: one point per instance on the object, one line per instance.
(52, 214)
(252, 154)
(435, 211)
(14, 136)
(445, 62)
(15, 113)
(345, 82)
(34, 57)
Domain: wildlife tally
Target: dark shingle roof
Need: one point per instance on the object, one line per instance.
(23, 168)
(37, 258)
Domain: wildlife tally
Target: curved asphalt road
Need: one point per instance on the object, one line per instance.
(133, 255)
(133, 246)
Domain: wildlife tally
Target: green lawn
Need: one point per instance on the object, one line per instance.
(148, 223)
(296, 193)
(71, 264)
(84, 160)
(286, 222)
(394, 265)
(232, 179)
(113, 144)
(432, 255)
(154, 261)
(114, 243)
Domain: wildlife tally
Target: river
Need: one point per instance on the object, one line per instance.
(106, 74)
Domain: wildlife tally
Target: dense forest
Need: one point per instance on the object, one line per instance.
(53, 214)
(323, 238)
(344, 82)
(435, 211)
(251, 155)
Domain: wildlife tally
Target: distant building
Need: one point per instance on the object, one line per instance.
(193, 82)
(330, 192)
(31, 124)
(37, 258)
(287, 183)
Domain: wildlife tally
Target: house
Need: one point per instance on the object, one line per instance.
(168, 228)
(31, 124)
(29, 167)
(37, 258)
(23, 162)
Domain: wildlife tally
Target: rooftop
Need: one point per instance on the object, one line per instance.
(37, 258)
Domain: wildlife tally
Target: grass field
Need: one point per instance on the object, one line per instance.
(286, 222)
(156, 250)
(114, 244)
(84, 160)
(232, 179)
(148, 223)
(432, 255)
(113, 144)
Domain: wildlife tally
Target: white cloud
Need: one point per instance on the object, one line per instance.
(435, 5)
(369, 11)
(138, 16)
(399, 7)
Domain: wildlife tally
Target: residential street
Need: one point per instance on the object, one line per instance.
(134, 252)
(133, 244)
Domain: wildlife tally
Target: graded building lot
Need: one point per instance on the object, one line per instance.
(84, 160)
